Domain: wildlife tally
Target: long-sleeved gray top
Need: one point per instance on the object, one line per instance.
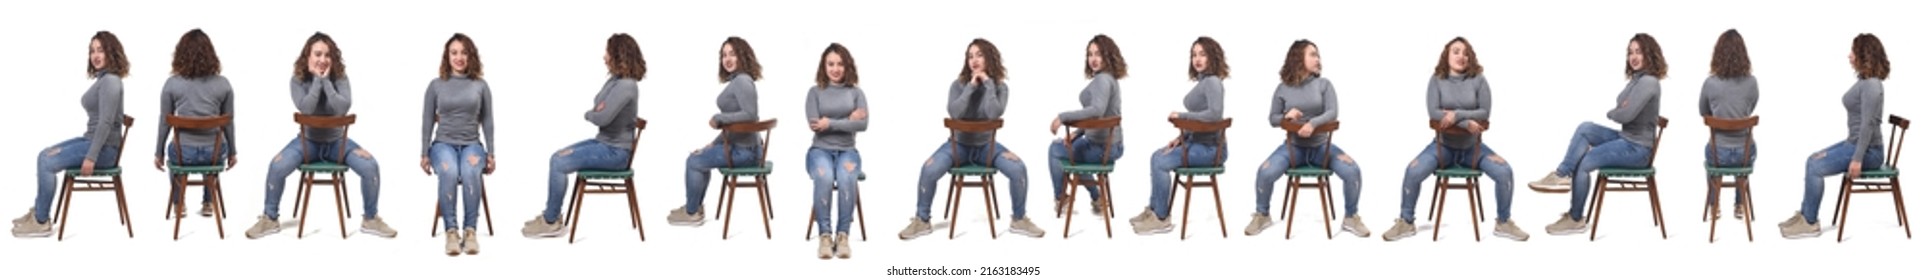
(1729, 98)
(977, 102)
(836, 103)
(1469, 97)
(614, 113)
(1205, 102)
(466, 109)
(738, 104)
(103, 104)
(1101, 99)
(1316, 100)
(196, 97)
(1865, 111)
(318, 96)
(1637, 111)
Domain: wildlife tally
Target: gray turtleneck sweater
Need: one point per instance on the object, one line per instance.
(103, 104)
(836, 103)
(978, 102)
(1469, 96)
(322, 97)
(1729, 98)
(1637, 111)
(466, 110)
(738, 104)
(196, 97)
(1865, 110)
(1100, 99)
(1205, 102)
(614, 113)
(1316, 99)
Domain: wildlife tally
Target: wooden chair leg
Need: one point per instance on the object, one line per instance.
(996, 204)
(635, 209)
(307, 185)
(1222, 229)
(1437, 194)
(434, 228)
(954, 205)
(340, 182)
(1839, 204)
(1745, 188)
(575, 220)
(1437, 222)
(120, 197)
(1471, 197)
(1108, 205)
(220, 202)
(950, 196)
(1290, 208)
(1184, 233)
(989, 205)
(728, 186)
(1069, 202)
(728, 214)
(300, 191)
(341, 208)
(1899, 198)
(66, 197)
(762, 190)
(176, 207)
(809, 231)
(1845, 200)
(1598, 204)
(1713, 184)
(1324, 189)
(1478, 195)
(862, 224)
(1658, 209)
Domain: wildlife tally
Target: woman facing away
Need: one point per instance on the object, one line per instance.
(320, 87)
(1730, 93)
(197, 89)
(979, 93)
(614, 116)
(1102, 98)
(1306, 98)
(458, 114)
(836, 110)
(1204, 103)
(1862, 150)
(96, 149)
(1458, 95)
(1595, 146)
(737, 103)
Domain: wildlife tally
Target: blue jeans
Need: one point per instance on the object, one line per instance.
(290, 159)
(703, 161)
(58, 158)
(459, 165)
(834, 169)
(1005, 162)
(1834, 160)
(1606, 149)
(1167, 160)
(1280, 160)
(1729, 157)
(586, 155)
(1086, 152)
(1429, 160)
(191, 156)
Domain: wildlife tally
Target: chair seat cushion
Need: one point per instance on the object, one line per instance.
(1458, 172)
(194, 169)
(1086, 168)
(1866, 174)
(860, 176)
(972, 170)
(764, 169)
(323, 167)
(1727, 171)
(605, 174)
(75, 172)
(1200, 170)
(1626, 172)
(1304, 171)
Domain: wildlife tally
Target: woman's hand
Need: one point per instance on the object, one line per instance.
(490, 168)
(425, 166)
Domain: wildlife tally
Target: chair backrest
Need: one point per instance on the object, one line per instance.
(1105, 123)
(1896, 139)
(635, 142)
(325, 122)
(1444, 128)
(1662, 122)
(1716, 124)
(1195, 126)
(766, 127)
(957, 126)
(126, 126)
(1329, 127)
(217, 123)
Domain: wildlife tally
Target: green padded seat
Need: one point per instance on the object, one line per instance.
(1867, 174)
(1086, 168)
(1727, 171)
(75, 172)
(748, 170)
(605, 174)
(860, 176)
(323, 167)
(1307, 171)
(972, 170)
(1458, 172)
(194, 169)
(1626, 172)
(1202, 170)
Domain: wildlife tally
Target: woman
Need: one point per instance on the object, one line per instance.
(614, 114)
(1630, 146)
(1103, 65)
(836, 110)
(1730, 93)
(1458, 95)
(457, 104)
(1861, 151)
(197, 89)
(1205, 103)
(978, 94)
(97, 149)
(320, 88)
(1307, 99)
(737, 104)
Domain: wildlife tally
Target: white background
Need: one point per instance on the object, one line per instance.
(1551, 67)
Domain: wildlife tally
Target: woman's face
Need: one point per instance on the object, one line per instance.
(458, 56)
(1094, 57)
(729, 59)
(318, 59)
(97, 55)
(1198, 59)
(1311, 60)
(974, 57)
(1635, 56)
(833, 66)
(1851, 59)
(1460, 57)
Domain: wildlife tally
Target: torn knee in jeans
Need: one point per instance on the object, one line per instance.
(446, 167)
(566, 152)
(474, 160)
(822, 171)
(1497, 159)
(1266, 165)
(1346, 158)
(928, 162)
(1414, 163)
(362, 153)
(1012, 156)
(277, 158)
(1818, 155)
(52, 151)
(849, 166)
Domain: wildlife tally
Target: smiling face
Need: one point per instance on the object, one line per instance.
(458, 57)
(1199, 61)
(729, 59)
(1460, 58)
(974, 57)
(1635, 56)
(1312, 61)
(833, 67)
(318, 58)
(97, 55)
(1094, 57)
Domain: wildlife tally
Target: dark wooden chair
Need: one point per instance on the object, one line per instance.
(434, 228)
(1741, 175)
(1447, 171)
(591, 181)
(960, 174)
(210, 174)
(103, 179)
(809, 231)
(1189, 175)
(1099, 170)
(733, 173)
(334, 167)
(1877, 180)
(1321, 173)
(1631, 180)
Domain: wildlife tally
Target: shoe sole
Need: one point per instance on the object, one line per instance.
(920, 233)
(1155, 231)
(1544, 188)
(1566, 231)
(546, 234)
(264, 233)
(41, 234)
(473, 252)
(1357, 232)
(454, 253)
(1024, 232)
(686, 223)
(1509, 236)
(378, 233)
(1802, 235)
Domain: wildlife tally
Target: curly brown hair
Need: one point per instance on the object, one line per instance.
(1869, 57)
(1472, 68)
(992, 61)
(625, 57)
(746, 62)
(1294, 73)
(194, 56)
(474, 70)
(849, 66)
(1213, 52)
(116, 56)
(1729, 57)
(1654, 57)
(336, 70)
(1113, 61)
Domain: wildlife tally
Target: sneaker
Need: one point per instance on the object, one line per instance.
(454, 243)
(1738, 211)
(825, 247)
(1552, 183)
(263, 226)
(469, 241)
(1062, 205)
(1799, 229)
(376, 227)
(33, 229)
(917, 228)
(1259, 222)
(842, 245)
(1796, 218)
(1566, 226)
(680, 216)
(1153, 226)
(1355, 226)
(24, 219)
(1509, 230)
(541, 228)
(1096, 208)
(1025, 228)
(1715, 212)
(1144, 216)
(207, 209)
(1399, 230)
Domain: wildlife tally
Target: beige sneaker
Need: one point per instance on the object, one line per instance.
(541, 228)
(1566, 226)
(469, 241)
(1355, 226)
(1738, 211)
(1152, 226)
(842, 245)
(1144, 216)
(263, 227)
(1716, 214)
(1552, 183)
(1025, 228)
(1796, 218)
(681, 217)
(207, 209)
(454, 243)
(1509, 230)
(1096, 208)
(33, 229)
(1259, 222)
(825, 246)
(376, 227)
(1399, 230)
(24, 219)
(917, 228)
(1799, 229)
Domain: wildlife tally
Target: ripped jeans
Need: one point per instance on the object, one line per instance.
(358, 161)
(459, 165)
(834, 169)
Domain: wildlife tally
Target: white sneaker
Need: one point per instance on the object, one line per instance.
(1552, 183)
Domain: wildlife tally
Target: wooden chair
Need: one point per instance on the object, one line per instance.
(1099, 170)
(732, 175)
(1447, 171)
(809, 231)
(1741, 175)
(591, 181)
(333, 166)
(434, 228)
(210, 174)
(1631, 180)
(1189, 174)
(1320, 171)
(103, 179)
(960, 174)
(1877, 179)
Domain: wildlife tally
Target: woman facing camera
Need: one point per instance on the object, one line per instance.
(1595, 146)
(836, 110)
(458, 139)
